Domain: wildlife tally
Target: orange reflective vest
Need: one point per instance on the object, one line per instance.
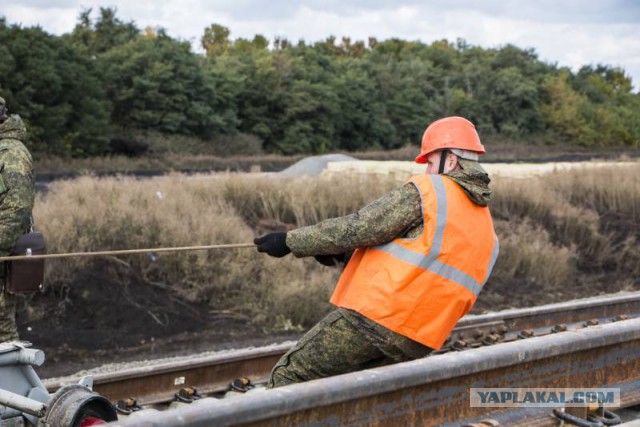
(421, 287)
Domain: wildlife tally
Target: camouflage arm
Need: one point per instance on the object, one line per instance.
(17, 193)
(376, 223)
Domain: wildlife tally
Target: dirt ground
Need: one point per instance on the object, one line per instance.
(97, 321)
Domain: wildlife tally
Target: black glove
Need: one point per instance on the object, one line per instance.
(274, 244)
(330, 260)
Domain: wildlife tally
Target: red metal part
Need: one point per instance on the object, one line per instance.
(92, 421)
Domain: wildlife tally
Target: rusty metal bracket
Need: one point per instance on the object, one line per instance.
(561, 327)
(526, 333)
(607, 418)
(127, 406)
(241, 385)
(459, 345)
(484, 423)
(580, 422)
(187, 395)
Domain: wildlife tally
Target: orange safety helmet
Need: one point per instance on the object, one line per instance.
(450, 132)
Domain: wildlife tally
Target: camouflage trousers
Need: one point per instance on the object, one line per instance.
(344, 341)
(8, 330)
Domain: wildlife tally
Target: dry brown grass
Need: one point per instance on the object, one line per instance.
(540, 201)
(554, 231)
(527, 251)
(565, 235)
(299, 201)
(89, 214)
(608, 190)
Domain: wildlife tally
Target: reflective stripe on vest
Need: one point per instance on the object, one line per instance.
(430, 261)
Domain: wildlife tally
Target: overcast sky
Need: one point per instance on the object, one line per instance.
(568, 32)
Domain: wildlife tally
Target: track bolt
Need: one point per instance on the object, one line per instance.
(459, 345)
(561, 327)
(591, 322)
(241, 385)
(525, 333)
(622, 317)
(491, 339)
(127, 406)
(187, 394)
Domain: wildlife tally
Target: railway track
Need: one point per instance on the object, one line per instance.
(586, 343)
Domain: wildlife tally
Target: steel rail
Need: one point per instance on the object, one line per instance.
(594, 308)
(159, 383)
(435, 390)
(564, 312)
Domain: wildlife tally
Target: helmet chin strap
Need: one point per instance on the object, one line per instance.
(443, 160)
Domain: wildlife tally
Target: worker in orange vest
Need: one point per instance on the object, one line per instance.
(421, 255)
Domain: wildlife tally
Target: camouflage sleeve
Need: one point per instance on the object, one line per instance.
(376, 223)
(17, 194)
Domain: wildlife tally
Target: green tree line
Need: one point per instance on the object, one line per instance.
(109, 87)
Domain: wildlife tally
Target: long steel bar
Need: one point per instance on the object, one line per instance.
(24, 404)
(158, 383)
(435, 390)
(564, 312)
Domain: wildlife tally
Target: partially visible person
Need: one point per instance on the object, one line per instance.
(17, 193)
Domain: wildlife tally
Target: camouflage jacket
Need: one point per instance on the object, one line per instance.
(398, 214)
(17, 183)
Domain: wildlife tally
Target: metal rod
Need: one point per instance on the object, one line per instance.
(127, 251)
(21, 403)
(24, 356)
